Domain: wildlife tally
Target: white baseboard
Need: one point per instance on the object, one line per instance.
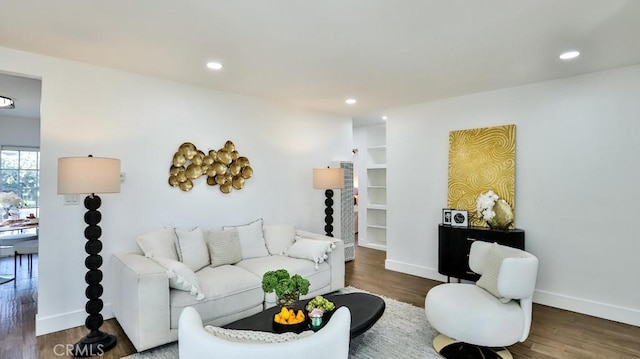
(420, 271)
(589, 307)
(380, 247)
(574, 304)
(58, 322)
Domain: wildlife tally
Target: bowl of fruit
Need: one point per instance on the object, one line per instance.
(288, 320)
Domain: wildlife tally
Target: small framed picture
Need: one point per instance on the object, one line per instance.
(446, 216)
(459, 218)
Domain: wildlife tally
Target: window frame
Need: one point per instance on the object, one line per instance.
(34, 190)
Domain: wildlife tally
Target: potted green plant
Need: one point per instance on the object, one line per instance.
(288, 288)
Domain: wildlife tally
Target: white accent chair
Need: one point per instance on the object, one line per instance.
(332, 341)
(467, 313)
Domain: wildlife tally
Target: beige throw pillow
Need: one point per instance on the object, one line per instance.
(224, 247)
(489, 278)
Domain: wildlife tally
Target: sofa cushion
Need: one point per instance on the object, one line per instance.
(159, 243)
(279, 237)
(192, 248)
(317, 278)
(227, 289)
(251, 239)
(311, 249)
(181, 277)
(224, 247)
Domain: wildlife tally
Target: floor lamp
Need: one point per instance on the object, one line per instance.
(91, 175)
(328, 179)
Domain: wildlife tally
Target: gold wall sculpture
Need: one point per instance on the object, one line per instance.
(224, 167)
(481, 159)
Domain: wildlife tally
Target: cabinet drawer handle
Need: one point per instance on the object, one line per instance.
(471, 239)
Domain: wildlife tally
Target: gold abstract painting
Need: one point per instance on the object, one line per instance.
(481, 159)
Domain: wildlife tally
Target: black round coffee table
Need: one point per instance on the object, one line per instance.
(365, 309)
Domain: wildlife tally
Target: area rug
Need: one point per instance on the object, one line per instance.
(402, 332)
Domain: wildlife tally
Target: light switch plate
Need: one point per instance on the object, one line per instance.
(71, 200)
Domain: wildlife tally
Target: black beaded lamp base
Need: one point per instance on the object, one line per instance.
(96, 342)
(328, 218)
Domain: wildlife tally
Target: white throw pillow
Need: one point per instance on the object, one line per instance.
(252, 243)
(224, 247)
(489, 278)
(279, 237)
(160, 243)
(253, 336)
(181, 277)
(311, 249)
(192, 248)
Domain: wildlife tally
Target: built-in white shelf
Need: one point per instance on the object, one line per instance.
(377, 166)
(373, 189)
(380, 207)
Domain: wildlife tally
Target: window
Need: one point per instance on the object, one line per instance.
(20, 174)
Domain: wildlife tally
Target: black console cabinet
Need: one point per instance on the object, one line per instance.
(454, 244)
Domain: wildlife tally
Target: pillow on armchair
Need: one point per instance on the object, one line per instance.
(489, 278)
(254, 336)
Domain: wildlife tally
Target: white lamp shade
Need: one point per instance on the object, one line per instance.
(79, 175)
(328, 178)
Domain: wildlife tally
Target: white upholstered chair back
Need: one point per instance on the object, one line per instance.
(516, 279)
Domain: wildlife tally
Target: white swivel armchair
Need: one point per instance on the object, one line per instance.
(332, 341)
(491, 314)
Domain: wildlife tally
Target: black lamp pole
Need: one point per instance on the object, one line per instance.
(96, 342)
(328, 218)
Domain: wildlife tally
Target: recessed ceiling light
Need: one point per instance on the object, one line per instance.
(350, 101)
(384, 118)
(214, 65)
(6, 102)
(569, 55)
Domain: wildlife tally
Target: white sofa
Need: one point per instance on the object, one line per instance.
(332, 341)
(149, 310)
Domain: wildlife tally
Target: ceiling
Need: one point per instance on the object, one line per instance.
(315, 54)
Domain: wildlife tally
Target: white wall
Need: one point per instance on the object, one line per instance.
(142, 121)
(577, 187)
(18, 131)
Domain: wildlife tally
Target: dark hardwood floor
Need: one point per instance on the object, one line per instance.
(555, 333)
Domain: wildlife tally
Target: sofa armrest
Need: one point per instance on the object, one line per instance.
(141, 299)
(335, 260)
